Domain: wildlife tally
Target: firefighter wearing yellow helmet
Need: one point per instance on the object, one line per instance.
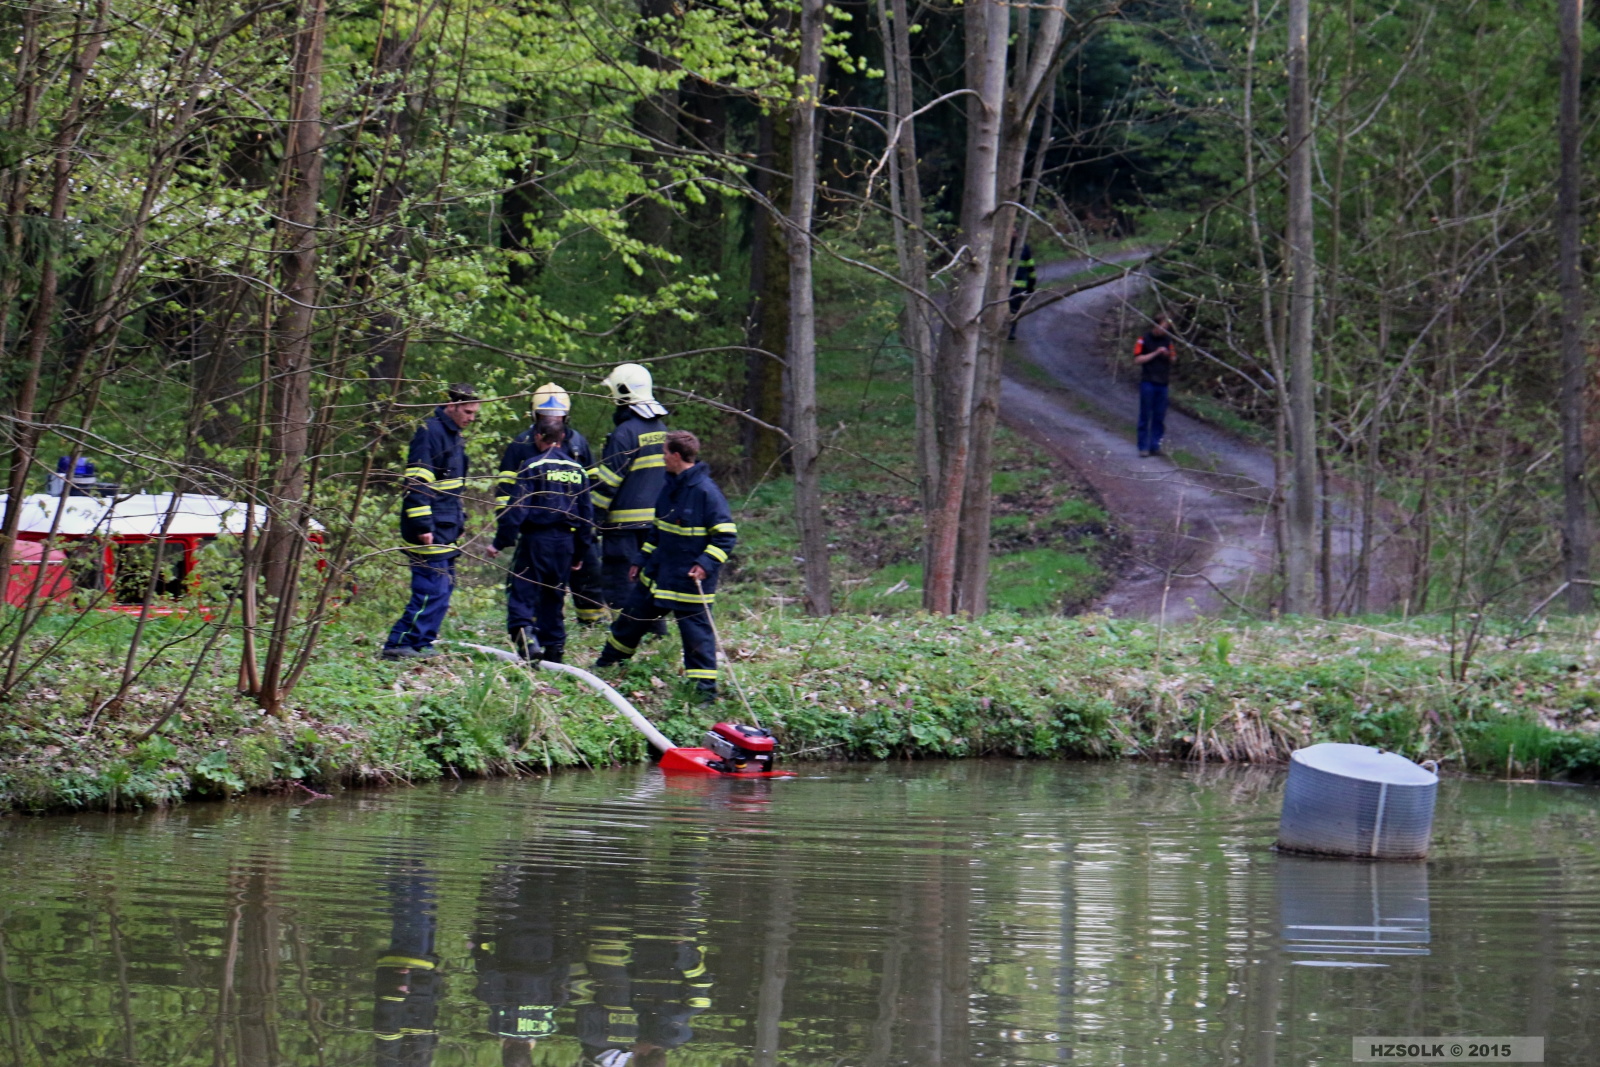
(550, 404)
(629, 476)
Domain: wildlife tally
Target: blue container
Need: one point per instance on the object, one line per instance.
(1351, 800)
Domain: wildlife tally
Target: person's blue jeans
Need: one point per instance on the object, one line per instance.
(1152, 416)
(432, 581)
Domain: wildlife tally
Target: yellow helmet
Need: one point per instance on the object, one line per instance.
(631, 386)
(551, 399)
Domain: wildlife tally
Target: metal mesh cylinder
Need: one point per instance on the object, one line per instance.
(1332, 911)
(1351, 800)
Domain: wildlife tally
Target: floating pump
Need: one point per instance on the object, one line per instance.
(1351, 800)
(732, 750)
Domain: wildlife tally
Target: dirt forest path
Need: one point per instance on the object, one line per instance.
(1193, 529)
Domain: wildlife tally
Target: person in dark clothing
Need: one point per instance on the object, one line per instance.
(432, 521)
(628, 478)
(552, 401)
(550, 521)
(670, 987)
(1022, 286)
(1154, 353)
(409, 986)
(522, 958)
(677, 565)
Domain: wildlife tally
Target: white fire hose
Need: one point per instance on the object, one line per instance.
(616, 699)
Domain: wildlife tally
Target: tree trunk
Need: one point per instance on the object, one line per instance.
(25, 411)
(654, 121)
(1300, 594)
(1036, 56)
(768, 325)
(911, 253)
(1575, 529)
(521, 202)
(285, 533)
(802, 351)
(987, 24)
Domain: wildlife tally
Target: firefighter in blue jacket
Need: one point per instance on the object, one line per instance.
(432, 521)
(551, 401)
(628, 478)
(549, 518)
(677, 565)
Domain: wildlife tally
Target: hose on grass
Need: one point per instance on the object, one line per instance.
(616, 699)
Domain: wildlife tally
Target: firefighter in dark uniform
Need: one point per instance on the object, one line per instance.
(549, 518)
(628, 478)
(551, 401)
(523, 960)
(677, 565)
(432, 521)
(409, 985)
(671, 984)
(602, 990)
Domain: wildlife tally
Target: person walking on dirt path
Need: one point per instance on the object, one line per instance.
(550, 401)
(1023, 284)
(677, 565)
(1154, 353)
(549, 520)
(432, 521)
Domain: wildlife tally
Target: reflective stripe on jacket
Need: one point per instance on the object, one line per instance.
(551, 490)
(693, 525)
(436, 473)
(630, 473)
(521, 449)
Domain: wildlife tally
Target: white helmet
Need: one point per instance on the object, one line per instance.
(631, 386)
(551, 399)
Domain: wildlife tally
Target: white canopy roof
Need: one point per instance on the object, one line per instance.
(144, 514)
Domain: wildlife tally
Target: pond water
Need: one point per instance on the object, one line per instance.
(868, 914)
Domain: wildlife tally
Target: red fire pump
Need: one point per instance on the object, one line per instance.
(730, 749)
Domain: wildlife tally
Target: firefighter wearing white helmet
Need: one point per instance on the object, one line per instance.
(629, 476)
(631, 387)
(550, 401)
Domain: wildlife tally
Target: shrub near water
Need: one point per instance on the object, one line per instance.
(853, 686)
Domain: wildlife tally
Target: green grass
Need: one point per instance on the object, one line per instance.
(865, 683)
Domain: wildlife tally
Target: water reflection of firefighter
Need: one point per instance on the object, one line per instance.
(523, 958)
(641, 983)
(670, 987)
(602, 989)
(409, 984)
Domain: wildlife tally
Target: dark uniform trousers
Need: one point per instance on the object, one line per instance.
(432, 579)
(537, 584)
(642, 612)
(619, 549)
(588, 586)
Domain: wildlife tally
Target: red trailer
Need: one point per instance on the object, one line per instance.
(30, 567)
(106, 548)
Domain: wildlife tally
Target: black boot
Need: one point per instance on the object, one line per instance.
(706, 692)
(554, 653)
(526, 643)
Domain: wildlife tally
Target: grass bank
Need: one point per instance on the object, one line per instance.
(855, 686)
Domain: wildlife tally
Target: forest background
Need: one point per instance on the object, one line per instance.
(246, 243)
